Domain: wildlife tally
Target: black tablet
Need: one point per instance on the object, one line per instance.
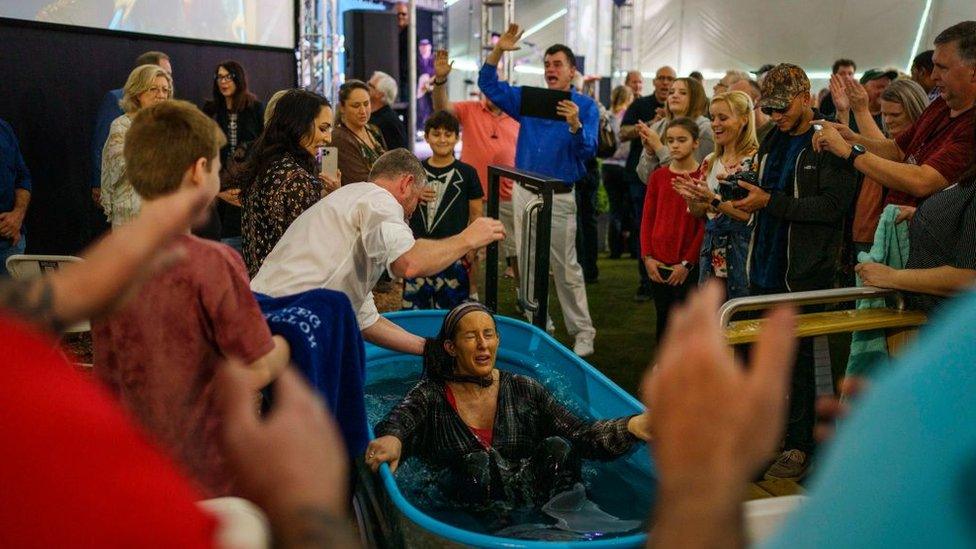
(542, 102)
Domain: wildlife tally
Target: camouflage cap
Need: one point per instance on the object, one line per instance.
(782, 84)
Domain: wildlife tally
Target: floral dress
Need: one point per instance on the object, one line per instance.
(119, 200)
(281, 194)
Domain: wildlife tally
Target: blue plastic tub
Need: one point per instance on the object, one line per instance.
(396, 522)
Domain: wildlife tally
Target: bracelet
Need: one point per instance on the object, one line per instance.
(441, 83)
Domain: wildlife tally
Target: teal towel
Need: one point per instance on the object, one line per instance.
(870, 348)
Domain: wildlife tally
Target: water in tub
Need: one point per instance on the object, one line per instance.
(613, 498)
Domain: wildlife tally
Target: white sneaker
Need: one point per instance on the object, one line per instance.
(584, 345)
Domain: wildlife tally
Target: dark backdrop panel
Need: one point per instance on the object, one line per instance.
(54, 78)
(371, 39)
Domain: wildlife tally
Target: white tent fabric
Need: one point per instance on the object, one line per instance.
(712, 36)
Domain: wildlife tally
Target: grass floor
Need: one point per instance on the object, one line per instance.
(625, 338)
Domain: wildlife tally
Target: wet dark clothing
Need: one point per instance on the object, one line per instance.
(527, 414)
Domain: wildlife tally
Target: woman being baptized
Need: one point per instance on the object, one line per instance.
(494, 434)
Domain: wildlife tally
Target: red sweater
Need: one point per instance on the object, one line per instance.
(669, 233)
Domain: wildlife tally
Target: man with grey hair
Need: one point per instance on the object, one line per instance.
(346, 240)
(635, 81)
(382, 96)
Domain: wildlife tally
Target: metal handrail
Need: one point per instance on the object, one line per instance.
(543, 186)
(815, 297)
(532, 210)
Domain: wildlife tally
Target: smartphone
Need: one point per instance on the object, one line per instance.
(665, 272)
(329, 162)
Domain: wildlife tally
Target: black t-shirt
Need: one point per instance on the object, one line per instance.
(446, 215)
(643, 109)
(943, 232)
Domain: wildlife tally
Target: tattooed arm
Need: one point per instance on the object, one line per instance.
(112, 269)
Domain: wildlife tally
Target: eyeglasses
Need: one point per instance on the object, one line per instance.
(224, 77)
(156, 90)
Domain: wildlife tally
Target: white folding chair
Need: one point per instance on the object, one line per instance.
(26, 267)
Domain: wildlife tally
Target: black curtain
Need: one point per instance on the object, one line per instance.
(53, 80)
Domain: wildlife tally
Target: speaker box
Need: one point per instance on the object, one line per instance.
(371, 43)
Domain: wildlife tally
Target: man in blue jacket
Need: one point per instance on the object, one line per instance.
(558, 149)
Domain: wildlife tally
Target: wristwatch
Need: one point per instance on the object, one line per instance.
(686, 264)
(856, 151)
(716, 202)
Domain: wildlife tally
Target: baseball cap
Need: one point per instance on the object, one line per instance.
(782, 84)
(874, 74)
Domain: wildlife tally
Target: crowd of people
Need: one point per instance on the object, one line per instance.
(752, 191)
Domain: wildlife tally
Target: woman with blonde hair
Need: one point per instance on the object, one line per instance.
(727, 232)
(618, 191)
(147, 85)
(686, 98)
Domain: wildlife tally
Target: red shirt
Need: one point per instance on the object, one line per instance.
(669, 233)
(158, 354)
(484, 436)
(946, 144)
(75, 471)
(487, 139)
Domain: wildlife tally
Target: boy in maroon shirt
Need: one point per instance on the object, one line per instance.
(670, 236)
(159, 352)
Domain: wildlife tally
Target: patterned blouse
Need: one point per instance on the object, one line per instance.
(527, 414)
(280, 195)
(119, 199)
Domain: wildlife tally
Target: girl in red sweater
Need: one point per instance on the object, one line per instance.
(670, 236)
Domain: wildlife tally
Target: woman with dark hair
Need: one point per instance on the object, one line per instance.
(241, 116)
(492, 429)
(280, 179)
(359, 144)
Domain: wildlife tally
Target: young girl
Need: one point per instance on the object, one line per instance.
(670, 235)
(686, 98)
(727, 231)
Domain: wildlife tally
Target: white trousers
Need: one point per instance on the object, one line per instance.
(506, 216)
(566, 270)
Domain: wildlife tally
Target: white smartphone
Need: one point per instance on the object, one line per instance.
(329, 161)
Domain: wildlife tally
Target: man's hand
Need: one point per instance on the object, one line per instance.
(570, 111)
(659, 113)
(697, 442)
(830, 139)
(442, 67)
(293, 462)
(756, 200)
(845, 132)
(856, 93)
(482, 232)
(838, 93)
(905, 213)
(10, 224)
(678, 275)
(384, 450)
(510, 39)
(876, 274)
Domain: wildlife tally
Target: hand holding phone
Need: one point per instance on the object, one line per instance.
(329, 162)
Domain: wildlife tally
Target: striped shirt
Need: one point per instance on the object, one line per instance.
(943, 232)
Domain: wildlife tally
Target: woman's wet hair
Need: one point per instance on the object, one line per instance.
(439, 365)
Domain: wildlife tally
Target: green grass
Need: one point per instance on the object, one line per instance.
(625, 338)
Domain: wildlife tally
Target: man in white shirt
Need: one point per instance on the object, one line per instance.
(346, 240)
